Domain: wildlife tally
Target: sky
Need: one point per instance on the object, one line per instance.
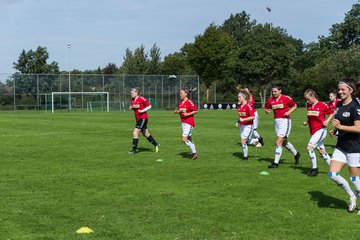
(100, 31)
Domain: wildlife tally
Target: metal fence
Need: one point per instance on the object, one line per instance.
(33, 92)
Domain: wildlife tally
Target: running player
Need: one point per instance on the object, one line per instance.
(256, 138)
(282, 107)
(347, 149)
(333, 100)
(246, 117)
(140, 106)
(316, 112)
(187, 109)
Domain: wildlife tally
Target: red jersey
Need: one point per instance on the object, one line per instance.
(332, 105)
(187, 106)
(246, 111)
(316, 115)
(139, 103)
(280, 105)
(251, 101)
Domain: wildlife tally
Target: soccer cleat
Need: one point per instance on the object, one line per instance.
(357, 193)
(273, 165)
(132, 151)
(157, 148)
(313, 172)
(245, 158)
(261, 141)
(194, 156)
(352, 204)
(297, 157)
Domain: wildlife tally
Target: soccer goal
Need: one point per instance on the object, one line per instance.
(72, 101)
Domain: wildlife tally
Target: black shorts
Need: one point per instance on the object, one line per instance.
(141, 123)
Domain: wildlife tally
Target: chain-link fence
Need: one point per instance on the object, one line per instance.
(33, 92)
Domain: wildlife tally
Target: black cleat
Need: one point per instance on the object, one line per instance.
(313, 172)
(245, 158)
(297, 157)
(273, 165)
(261, 141)
(194, 156)
(132, 151)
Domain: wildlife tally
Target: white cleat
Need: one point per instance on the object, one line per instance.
(352, 204)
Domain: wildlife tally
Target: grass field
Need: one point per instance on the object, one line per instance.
(62, 171)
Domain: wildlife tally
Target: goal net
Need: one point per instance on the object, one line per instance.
(79, 101)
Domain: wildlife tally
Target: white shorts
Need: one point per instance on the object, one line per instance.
(351, 159)
(282, 127)
(187, 129)
(256, 120)
(246, 131)
(317, 139)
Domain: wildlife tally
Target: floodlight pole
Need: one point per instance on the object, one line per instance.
(69, 101)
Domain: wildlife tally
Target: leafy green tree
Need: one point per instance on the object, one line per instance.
(209, 55)
(266, 55)
(238, 26)
(154, 63)
(344, 34)
(30, 62)
(175, 64)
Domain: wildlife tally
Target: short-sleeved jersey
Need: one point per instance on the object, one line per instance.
(246, 111)
(347, 115)
(332, 105)
(251, 101)
(187, 106)
(280, 105)
(316, 115)
(139, 103)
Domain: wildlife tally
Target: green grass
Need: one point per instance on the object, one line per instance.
(62, 171)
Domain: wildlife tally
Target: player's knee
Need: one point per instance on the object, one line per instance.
(184, 139)
(309, 148)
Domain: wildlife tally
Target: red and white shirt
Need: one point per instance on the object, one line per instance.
(246, 111)
(280, 105)
(332, 105)
(139, 103)
(316, 115)
(251, 101)
(187, 106)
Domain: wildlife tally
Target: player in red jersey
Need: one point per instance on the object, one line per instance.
(246, 118)
(282, 107)
(257, 140)
(140, 106)
(333, 100)
(316, 112)
(187, 109)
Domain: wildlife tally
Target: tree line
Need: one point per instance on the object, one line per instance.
(239, 52)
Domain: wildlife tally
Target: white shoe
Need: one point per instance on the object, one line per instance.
(352, 204)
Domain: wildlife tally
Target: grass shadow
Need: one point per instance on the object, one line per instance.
(269, 160)
(325, 201)
(185, 154)
(144, 149)
(304, 170)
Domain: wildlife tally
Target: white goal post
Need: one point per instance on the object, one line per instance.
(79, 93)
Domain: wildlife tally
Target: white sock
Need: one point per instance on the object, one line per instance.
(191, 145)
(245, 149)
(356, 181)
(312, 156)
(253, 141)
(340, 181)
(278, 153)
(291, 148)
(256, 134)
(326, 157)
